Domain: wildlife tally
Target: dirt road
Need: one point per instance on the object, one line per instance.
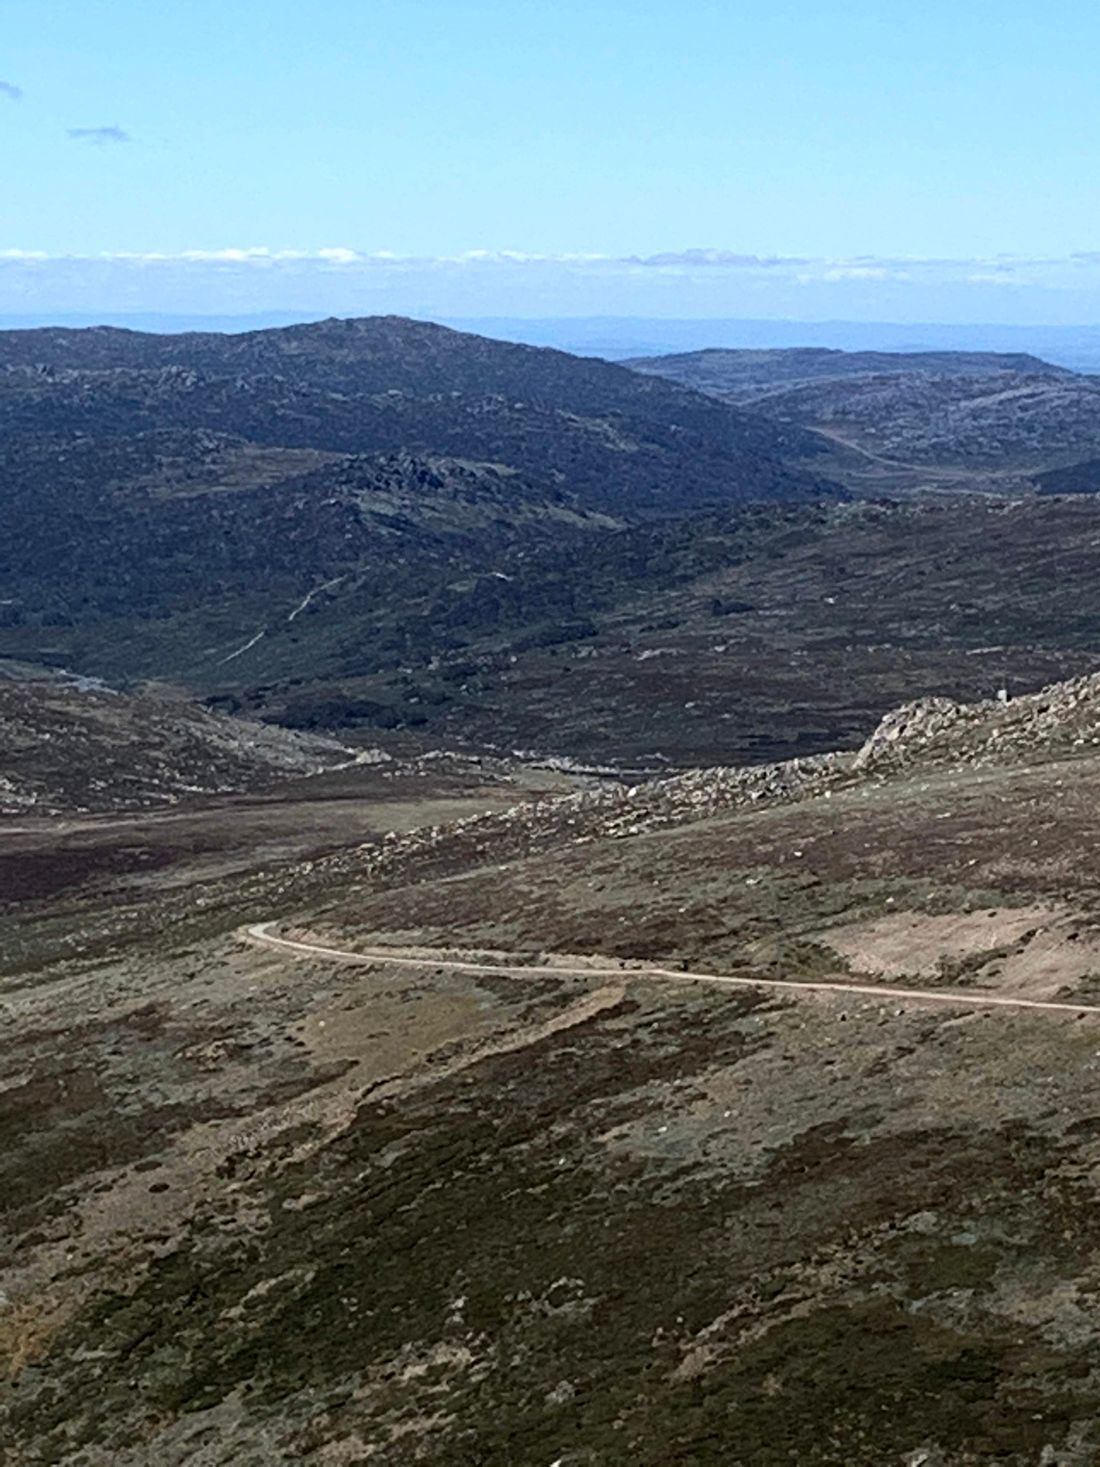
(420, 958)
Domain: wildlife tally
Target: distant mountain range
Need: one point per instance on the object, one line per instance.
(727, 372)
(385, 384)
(618, 337)
(978, 411)
(385, 525)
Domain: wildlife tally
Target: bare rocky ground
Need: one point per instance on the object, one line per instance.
(265, 1209)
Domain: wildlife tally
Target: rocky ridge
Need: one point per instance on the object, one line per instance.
(606, 812)
(927, 733)
(977, 410)
(735, 373)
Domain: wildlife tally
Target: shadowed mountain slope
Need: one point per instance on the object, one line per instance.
(1079, 478)
(167, 502)
(383, 384)
(721, 638)
(551, 554)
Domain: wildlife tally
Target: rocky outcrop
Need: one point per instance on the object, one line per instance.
(914, 725)
(1058, 719)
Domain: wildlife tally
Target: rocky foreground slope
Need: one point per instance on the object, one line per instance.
(265, 1209)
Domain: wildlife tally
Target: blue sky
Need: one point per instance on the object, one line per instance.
(790, 158)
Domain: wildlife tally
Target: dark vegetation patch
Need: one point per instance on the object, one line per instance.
(1081, 478)
(32, 876)
(66, 1124)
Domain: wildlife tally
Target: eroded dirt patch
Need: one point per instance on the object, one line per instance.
(1038, 951)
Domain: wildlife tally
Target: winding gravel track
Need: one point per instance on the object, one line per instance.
(402, 957)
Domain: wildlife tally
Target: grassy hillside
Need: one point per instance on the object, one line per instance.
(574, 1201)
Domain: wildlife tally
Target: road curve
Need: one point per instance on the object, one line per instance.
(261, 933)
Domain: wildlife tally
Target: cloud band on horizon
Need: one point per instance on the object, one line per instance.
(1004, 266)
(345, 280)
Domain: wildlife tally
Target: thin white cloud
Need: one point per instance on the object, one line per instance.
(995, 277)
(342, 278)
(710, 269)
(98, 135)
(524, 257)
(11, 91)
(713, 259)
(859, 272)
(801, 267)
(235, 255)
(251, 255)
